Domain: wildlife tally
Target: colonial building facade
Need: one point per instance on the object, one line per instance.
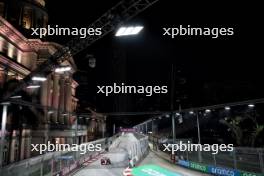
(55, 119)
(18, 57)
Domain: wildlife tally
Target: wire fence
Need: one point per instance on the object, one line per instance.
(240, 124)
(55, 163)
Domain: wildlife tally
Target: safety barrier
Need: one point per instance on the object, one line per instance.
(53, 163)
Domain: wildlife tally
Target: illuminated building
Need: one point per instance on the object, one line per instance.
(18, 57)
(24, 14)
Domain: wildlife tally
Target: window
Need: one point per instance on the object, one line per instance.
(27, 17)
(5, 47)
(11, 51)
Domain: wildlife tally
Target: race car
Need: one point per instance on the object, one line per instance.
(105, 161)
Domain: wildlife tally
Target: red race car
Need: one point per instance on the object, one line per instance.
(105, 161)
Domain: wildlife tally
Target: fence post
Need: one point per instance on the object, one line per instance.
(261, 164)
(41, 167)
(173, 128)
(234, 158)
(214, 159)
(52, 165)
(199, 137)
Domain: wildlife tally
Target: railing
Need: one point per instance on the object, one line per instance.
(241, 158)
(240, 124)
(52, 163)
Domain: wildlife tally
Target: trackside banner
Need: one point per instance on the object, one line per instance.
(215, 170)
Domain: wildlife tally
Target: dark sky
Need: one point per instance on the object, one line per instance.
(216, 70)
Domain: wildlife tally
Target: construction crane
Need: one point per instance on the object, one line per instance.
(109, 21)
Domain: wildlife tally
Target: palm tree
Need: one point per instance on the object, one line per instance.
(238, 132)
(233, 126)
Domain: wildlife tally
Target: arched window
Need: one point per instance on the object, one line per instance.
(27, 17)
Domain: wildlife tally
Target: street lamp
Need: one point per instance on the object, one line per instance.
(251, 105)
(38, 78)
(207, 110)
(227, 108)
(131, 30)
(33, 86)
(16, 97)
(199, 135)
(50, 112)
(62, 69)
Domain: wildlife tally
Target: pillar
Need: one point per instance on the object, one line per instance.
(68, 98)
(49, 96)
(61, 101)
(55, 97)
(44, 99)
(28, 143)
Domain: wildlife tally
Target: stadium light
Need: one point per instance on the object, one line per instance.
(131, 30)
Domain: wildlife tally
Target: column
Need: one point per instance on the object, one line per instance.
(61, 102)
(3, 76)
(55, 97)
(28, 143)
(43, 100)
(22, 145)
(49, 96)
(68, 97)
(12, 146)
(3, 131)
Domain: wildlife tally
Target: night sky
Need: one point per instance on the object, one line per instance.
(219, 70)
